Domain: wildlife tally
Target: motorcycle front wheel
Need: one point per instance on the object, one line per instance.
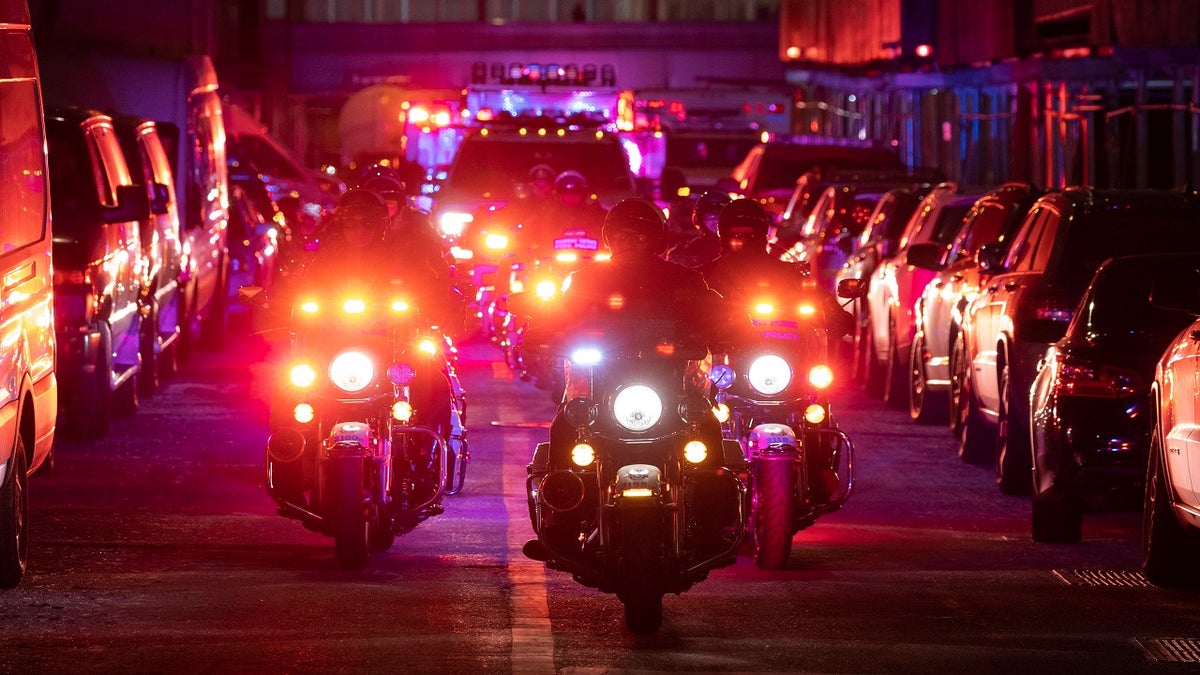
(351, 527)
(643, 614)
(774, 508)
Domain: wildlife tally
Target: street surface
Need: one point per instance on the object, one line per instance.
(157, 550)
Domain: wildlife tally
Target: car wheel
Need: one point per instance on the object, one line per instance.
(1057, 518)
(976, 438)
(1014, 460)
(1170, 552)
(895, 390)
(14, 519)
(924, 406)
(90, 409)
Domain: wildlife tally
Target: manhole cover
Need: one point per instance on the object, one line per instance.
(1173, 650)
(1123, 578)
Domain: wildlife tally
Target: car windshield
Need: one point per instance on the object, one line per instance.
(780, 170)
(495, 166)
(700, 150)
(1099, 235)
(1120, 296)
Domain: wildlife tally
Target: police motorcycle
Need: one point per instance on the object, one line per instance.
(353, 452)
(544, 275)
(772, 396)
(636, 493)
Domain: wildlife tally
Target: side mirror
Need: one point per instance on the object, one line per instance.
(925, 256)
(990, 257)
(132, 204)
(160, 200)
(852, 288)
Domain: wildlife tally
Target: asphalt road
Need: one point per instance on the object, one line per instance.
(157, 550)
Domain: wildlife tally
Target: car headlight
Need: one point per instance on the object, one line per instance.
(637, 408)
(769, 374)
(351, 371)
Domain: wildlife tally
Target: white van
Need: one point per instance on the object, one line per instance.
(29, 399)
(182, 95)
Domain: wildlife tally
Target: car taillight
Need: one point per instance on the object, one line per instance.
(1080, 377)
(1051, 309)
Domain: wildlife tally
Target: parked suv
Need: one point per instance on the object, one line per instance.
(1027, 304)
(98, 268)
(161, 247)
(896, 285)
(29, 399)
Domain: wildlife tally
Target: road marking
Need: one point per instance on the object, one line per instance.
(532, 639)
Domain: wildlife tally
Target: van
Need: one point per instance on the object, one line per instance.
(182, 96)
(98, 269)
(29, 399)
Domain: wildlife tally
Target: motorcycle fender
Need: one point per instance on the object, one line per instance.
(768, 438)
(639, 482)
(349, 439)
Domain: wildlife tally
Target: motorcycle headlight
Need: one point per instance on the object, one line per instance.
(496, 242)
(351, 371)
(546, 289)
(637, 408)
(452, 223)
(769, 374)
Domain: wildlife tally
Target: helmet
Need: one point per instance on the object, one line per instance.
(707, 208)
(542, 173)
(743, 219)
(570, 181)
(361, 206)
(640, 217)
(384, 181)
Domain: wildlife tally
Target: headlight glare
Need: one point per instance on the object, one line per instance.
(351, 371)
(769, 374)
(820, 376)
(637, 408)
(302, 375)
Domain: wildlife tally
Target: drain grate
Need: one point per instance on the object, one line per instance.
(1171, 650)
(1122, 578)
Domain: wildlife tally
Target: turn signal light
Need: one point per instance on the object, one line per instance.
(302, 375)
(303, 413)
(814, 414)
(428, 346)
(721, 412)
(402, 411)
(583, 454)
(695, 452)
(820, 376)
(309, 307)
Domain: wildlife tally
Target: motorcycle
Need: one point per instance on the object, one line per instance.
(353, 452)
(636, 493)
(773, 397)
(544, 274)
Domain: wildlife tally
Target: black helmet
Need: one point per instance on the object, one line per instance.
(570, 181)
(743, 219)
(707, 208)
(361, 205)
(638, 216)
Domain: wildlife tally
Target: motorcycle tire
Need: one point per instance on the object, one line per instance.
(773, 513)
(643, 615)
(351, 527)
(380, 538)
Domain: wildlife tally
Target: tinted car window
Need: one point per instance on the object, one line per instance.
(707, 151)
(72, 188)
(21, 191)
(1121, 298)
(1020, 257)
(780, 169)
(1094, 237)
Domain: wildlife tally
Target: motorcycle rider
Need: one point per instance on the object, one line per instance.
(745, 266)
(407, 223)
(704, 246)
(570, 209)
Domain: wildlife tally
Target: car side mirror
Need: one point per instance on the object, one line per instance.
(990, 259)
(132, 204)
(253, 296)
(851, 288)
(925, 256)
(160, 200)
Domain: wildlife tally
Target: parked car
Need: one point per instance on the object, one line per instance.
(254, 236)
(1027, 304)
(992, 221)
(1090, 407)
(895, 286)
(29, 401)
(877, 242)
(768, 173)
(182, 95)
(828, 240)
(1171, 500)
(98, 215)
(162, 249)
